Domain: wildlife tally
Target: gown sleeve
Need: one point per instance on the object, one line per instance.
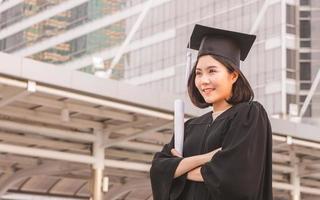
(164, 164)
(244, 165)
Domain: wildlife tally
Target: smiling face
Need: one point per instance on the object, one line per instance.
(214, 81)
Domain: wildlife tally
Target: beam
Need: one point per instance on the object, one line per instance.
(117, 128)
(43, 142)
(289, 187)
(21, 196)
(112, 142)
(47, 132)
(282, 168)
(48, 118)
(18, 95)
(261, 14)
(89, 99)
(43, 169)
(77, 108)
(117, 192)
(137, 156)
(103, 102)
(129, 37)
(13, 97)
(310, 94)
(109, 53)
(152, 148)
(71, 157)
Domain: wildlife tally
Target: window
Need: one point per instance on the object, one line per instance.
(291, 59)
(304, 14)
(302, 98)
(291, 19)
(308, 112)
(305, 2)
(2, 45)
(305, 56)
(291, 99)
(11, 16)
(305, 28)
(305, 86)
(305, 71)
(305, 43)
(291, 74)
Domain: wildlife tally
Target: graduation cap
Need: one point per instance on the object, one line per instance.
(233, 46)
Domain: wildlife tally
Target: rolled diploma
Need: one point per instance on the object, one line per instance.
(178, 125)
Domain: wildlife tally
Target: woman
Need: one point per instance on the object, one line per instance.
(227, 153)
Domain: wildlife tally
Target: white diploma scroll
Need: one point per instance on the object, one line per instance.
(178, 125)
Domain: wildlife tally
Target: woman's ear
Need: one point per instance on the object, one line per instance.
(234, 76)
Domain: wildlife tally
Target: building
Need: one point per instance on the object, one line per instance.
(281, 66)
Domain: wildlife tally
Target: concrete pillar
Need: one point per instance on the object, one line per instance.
(98, 166)
(295, 178)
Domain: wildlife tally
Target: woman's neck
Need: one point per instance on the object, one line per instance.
(221, 106)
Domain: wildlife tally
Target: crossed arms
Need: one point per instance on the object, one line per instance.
(192, 165)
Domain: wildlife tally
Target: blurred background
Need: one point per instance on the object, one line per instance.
(87, 90)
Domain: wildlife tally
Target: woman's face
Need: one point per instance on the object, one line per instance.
(213, 80)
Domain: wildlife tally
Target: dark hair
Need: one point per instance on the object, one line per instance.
(241, 89)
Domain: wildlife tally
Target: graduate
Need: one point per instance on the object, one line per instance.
(227, 152)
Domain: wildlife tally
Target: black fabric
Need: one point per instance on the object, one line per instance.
(231, 45)
(242, 170)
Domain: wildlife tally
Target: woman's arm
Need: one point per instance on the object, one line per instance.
(195, 175)
(190, 163)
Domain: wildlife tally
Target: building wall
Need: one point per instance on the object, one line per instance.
(315, 55)
(261, 67)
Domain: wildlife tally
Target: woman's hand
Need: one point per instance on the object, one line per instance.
(195, 175)
(190, 163)
(174, 152)
(208, 156)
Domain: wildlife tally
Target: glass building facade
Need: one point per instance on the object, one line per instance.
(281, 66)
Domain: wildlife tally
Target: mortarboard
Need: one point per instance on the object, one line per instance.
(234, 46)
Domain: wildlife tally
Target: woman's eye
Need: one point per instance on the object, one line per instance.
(198, 73)
(212, 71)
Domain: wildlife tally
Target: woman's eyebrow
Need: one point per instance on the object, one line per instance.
(208, 67)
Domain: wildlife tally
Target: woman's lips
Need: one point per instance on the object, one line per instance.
(207, 91)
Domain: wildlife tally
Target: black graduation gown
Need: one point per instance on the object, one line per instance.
(242, 170)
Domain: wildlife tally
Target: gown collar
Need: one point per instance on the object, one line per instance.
(207, 118)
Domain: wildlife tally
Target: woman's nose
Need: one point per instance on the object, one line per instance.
(205, 79)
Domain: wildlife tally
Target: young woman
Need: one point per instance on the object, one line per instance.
(227, 153)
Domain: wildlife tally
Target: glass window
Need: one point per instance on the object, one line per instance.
(291, 74)
(302, 98)
(304, 2)
(305, 56)
(305, 28)
(291, 99)
(11, 16)
(305, 71)
(291, 14)
(291, 59)
(2, 45)
(305, 43)
(308, 112)
(305, 86)
(305, 14)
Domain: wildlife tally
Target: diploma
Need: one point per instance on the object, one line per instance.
(178, 125)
